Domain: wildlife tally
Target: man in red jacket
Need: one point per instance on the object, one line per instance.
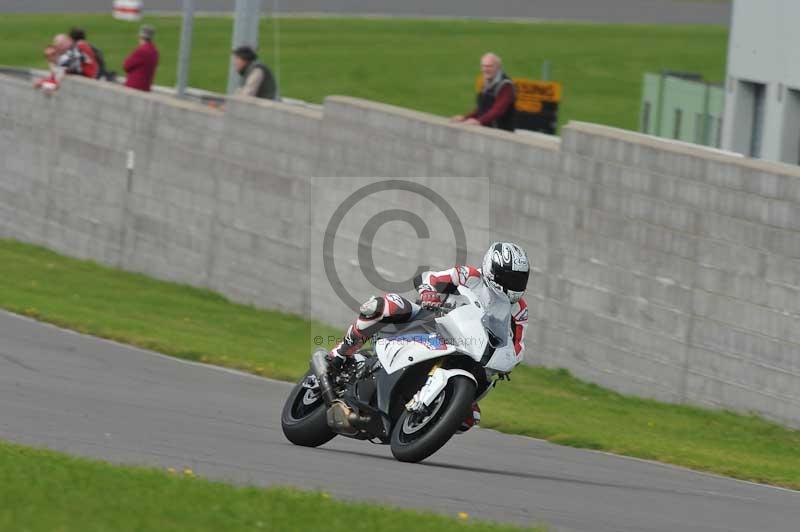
(141, 65)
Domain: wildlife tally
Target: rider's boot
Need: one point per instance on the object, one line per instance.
(341, 356)
(338, 363)
(473, 419)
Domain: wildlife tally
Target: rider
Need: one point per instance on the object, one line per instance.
(505, 269)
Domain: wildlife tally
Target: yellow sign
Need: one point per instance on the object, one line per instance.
(531, 93)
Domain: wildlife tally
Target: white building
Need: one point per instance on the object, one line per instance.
(762, 104)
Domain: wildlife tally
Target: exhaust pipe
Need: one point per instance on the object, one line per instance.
(319, 366)
(341, 418)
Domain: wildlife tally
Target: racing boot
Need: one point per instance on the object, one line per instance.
(473, 419)
(341, 356)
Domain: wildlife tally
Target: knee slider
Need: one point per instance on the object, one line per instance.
(372, 308)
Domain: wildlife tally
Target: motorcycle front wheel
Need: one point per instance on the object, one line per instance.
(416, 436)
(303, 418)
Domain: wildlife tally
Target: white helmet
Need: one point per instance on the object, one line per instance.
(505, 269)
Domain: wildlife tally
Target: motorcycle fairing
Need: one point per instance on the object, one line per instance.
(429, 340)
(406, 350)
(503, 360)
(463, 328)
(466, 327)
(385, 386)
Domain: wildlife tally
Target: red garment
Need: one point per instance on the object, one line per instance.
(141, 67)
(89, 67)
(51, 80)
(504, 98)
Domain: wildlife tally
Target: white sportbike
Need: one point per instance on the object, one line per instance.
(414, 390)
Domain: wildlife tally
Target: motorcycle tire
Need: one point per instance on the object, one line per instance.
(415, 441)
(304, 421)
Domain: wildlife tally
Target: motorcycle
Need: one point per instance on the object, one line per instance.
(416, 387)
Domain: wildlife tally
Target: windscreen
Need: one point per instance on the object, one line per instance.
(497, 316)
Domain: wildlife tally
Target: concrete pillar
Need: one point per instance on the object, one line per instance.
(245, 32)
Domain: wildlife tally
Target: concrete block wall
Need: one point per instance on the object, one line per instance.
(54, 155)
(660, 269)
(265, 155)
(212, 201)
(471, 168)
(700, 266)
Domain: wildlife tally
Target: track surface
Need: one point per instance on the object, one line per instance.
(96, 398)
(634, 11)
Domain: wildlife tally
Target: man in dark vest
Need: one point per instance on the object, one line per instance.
(495, 100)
(257, 80)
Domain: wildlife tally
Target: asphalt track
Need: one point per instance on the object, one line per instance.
(624, 11)
(97, 398)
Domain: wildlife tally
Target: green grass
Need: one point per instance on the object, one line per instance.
(173, 319)
(550, 404)
(47, 491)
(555, 406)
(427, 65)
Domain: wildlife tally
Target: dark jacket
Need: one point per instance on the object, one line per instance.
(266, 88)
(496, 104)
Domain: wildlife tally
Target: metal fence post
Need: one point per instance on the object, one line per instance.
(660, 105)
(707, 116)
(245, 32)
(186, 47)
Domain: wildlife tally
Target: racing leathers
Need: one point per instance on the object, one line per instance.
(432, 286)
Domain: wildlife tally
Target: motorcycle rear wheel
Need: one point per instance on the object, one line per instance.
(303, 418)
(415, 437)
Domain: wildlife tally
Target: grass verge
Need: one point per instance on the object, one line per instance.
(429, 65)
(47, 491)
(550, 404)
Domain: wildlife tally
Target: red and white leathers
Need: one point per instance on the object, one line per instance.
(446, 281)
(393, 308)
(373, 315)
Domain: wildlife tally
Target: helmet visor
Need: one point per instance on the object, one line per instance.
(512, 281)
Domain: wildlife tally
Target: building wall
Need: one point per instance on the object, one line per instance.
(699, 105)
(661, 269)
(764, 49)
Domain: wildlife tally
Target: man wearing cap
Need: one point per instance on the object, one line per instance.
(256, 78)
(141, 65)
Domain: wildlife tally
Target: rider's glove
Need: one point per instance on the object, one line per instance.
(429, 298)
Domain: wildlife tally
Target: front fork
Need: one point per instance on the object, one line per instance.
(436, 383)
